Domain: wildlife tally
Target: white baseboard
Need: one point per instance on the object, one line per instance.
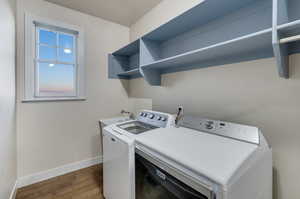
(14, 191)
(44, 175)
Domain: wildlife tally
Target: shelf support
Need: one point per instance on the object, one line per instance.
(149, 52)
(153, 77)
(280, 50)
(114, 66)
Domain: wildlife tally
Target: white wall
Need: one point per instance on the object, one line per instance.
(249, 93)
(52, 134)
(8, 160)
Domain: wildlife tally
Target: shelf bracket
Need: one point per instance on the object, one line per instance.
(282, 58)
(153, 77)
(149, 52)
(280, 50)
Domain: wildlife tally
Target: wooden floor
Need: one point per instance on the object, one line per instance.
(82, 184)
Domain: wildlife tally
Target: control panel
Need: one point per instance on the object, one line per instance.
(239, 132)
(154, 118)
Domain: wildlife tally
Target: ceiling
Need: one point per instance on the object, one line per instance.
(125, 12)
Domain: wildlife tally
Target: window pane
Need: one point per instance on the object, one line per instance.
(47, 53)
(56, 79)
(66, 55)
(47, 37)
(66, 41)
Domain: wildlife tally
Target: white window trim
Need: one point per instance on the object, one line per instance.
(29, 77)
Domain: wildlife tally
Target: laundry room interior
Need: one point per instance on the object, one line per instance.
(149, 99)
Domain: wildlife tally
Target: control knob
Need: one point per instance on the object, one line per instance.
(209, 125)
(151, 116)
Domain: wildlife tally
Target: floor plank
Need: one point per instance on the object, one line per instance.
(82, 184)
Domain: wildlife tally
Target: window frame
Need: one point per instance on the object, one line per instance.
(32, 25)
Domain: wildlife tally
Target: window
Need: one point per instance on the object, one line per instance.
(54, 61)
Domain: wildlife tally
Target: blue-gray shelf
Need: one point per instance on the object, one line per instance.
(202, 13)
(249, 47)
(282, 50)
(124, 63)
(289, 29)
(212, 33)
(129, 49)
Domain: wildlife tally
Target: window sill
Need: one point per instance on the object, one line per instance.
(53, 99)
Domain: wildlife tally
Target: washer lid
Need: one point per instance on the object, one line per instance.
(215, 157)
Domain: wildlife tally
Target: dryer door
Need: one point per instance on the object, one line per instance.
(154, 183)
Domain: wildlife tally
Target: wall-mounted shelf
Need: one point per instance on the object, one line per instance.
(237, 31)
(252, 46)
(125, 62)
(286, 24)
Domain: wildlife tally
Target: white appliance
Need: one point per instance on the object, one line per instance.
(108, 121)
(119, 152)
(204, 159)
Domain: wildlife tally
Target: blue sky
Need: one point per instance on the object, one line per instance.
(58, 77)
